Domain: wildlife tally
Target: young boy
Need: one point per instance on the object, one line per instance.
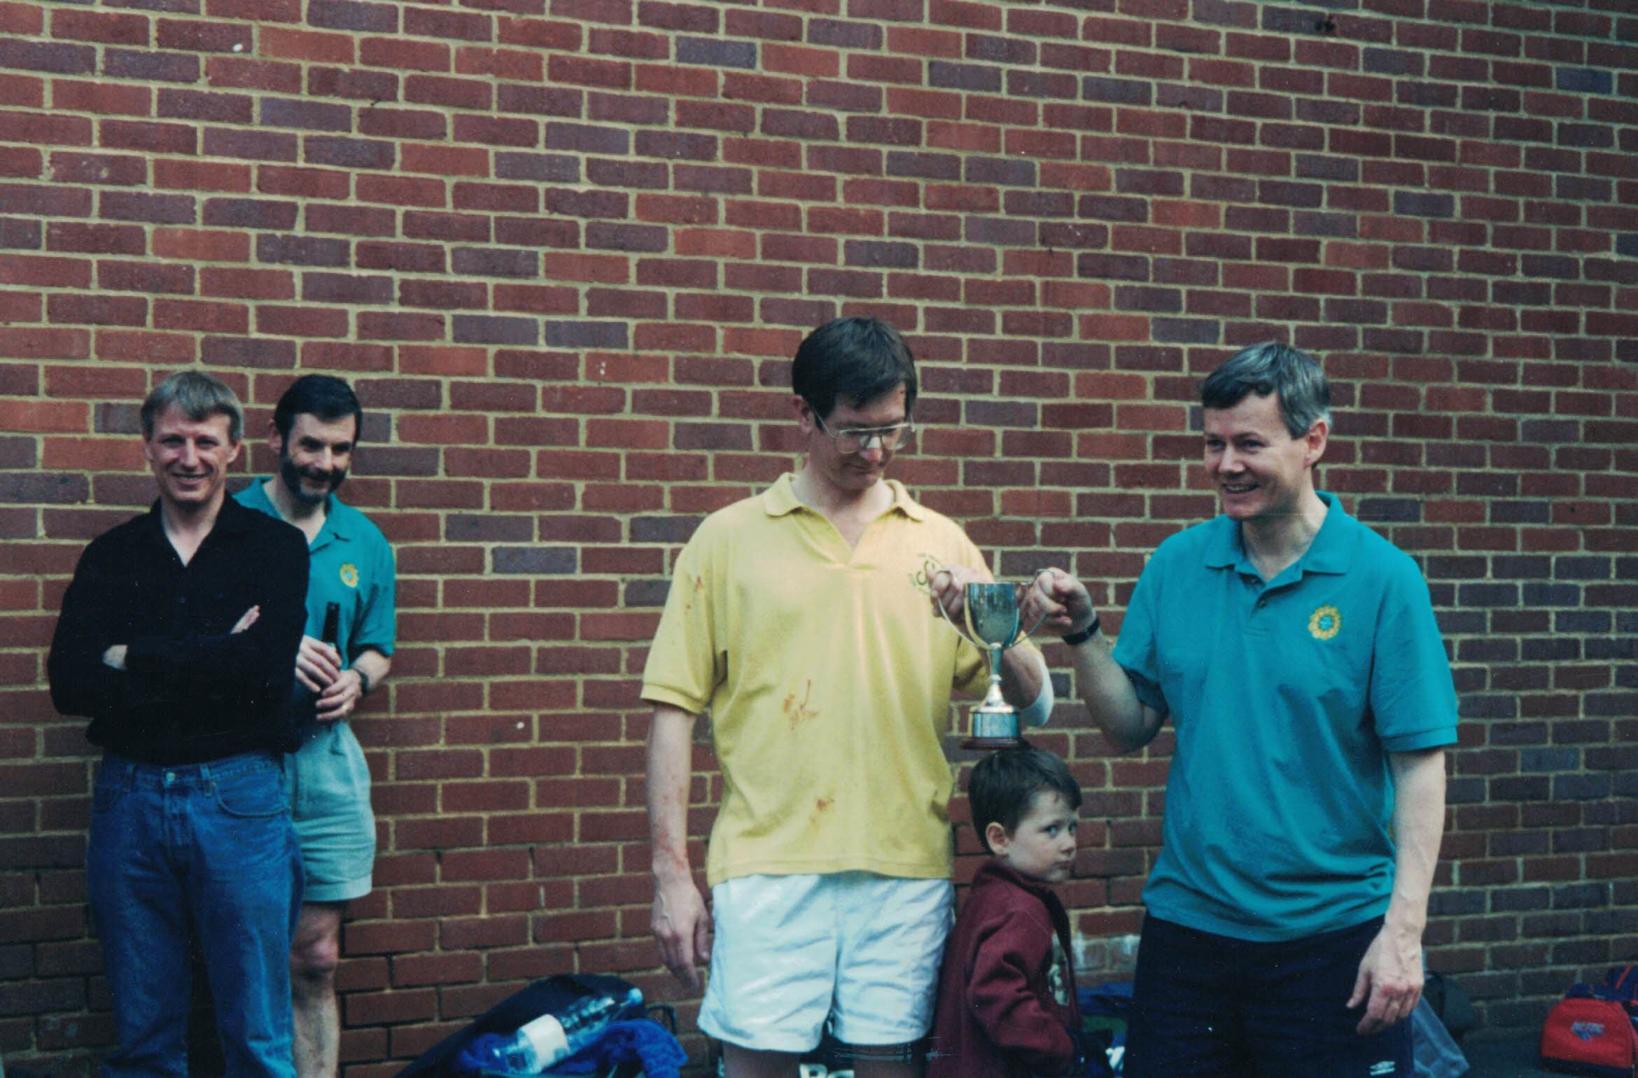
(1006, 1001)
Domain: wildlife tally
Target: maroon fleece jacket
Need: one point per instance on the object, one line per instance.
(1006, 992)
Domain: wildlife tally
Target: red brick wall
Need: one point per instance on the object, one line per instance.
(564, 249)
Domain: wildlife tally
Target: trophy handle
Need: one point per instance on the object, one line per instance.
(945, 614)
(1039, 573)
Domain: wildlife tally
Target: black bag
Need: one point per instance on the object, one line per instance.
(548, 996)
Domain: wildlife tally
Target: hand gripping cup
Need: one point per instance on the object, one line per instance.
(994, 625)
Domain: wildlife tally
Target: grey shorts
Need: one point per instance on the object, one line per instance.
(329, 787)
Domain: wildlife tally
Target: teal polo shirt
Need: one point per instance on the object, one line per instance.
(1286, 698)
(351, 564)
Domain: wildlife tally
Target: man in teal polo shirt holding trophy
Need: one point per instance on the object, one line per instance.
(345, 652)
(1296, 653)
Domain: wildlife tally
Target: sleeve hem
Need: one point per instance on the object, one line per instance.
(658, 694)
(1420, 739)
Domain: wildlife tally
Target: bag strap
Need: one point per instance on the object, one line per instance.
(1622, 983)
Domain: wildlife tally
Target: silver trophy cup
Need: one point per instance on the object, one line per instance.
(994, 625)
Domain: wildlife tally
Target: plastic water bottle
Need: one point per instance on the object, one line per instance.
(547, 1040)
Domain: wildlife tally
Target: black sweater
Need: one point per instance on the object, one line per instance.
(191, 691)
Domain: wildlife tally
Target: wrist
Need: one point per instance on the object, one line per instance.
(364, 683)
(1081, 636)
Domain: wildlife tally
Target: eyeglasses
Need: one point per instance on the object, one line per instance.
(897, 438)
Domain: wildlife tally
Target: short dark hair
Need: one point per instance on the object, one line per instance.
(1004, 784)
(199, 396)
(322, 395)
(858, 359)
(1305, 395)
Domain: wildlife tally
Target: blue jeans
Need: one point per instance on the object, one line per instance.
(206, 848)
(1204, 1004)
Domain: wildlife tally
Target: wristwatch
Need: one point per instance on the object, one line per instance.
(1077, 639)
(363, 682)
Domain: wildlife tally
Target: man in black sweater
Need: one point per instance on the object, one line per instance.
(177, 638)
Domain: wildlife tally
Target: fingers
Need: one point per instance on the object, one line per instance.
(246, 620)
(702, 940)
(1362, 987)
(318, 664)
(339, 700)
(1388, 1005)
(676, 952)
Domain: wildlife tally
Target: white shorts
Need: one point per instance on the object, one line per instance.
(790, 951)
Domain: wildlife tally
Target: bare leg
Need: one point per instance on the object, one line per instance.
(746, 1063)
(314, 956)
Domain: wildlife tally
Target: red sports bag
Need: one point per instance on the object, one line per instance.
(1587, 1035)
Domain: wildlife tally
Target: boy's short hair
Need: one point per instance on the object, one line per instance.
(856, 359)
(1004, 785)
(199, 396)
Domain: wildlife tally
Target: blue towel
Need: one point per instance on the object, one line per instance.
(638, 1040)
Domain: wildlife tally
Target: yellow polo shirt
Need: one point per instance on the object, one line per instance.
(828, 678)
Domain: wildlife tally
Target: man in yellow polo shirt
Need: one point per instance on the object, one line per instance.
(800, 619)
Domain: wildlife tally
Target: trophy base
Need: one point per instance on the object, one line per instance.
(990, 743)
(993, 728)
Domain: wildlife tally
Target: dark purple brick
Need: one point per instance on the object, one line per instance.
(494, 329)
(349, 152)
(564, 334)
(677, 144)
(535, 560)
(300, 251)
(1008, 171)
(250, 213)
(308, 115)
(20, 235)
(352, 15)
(491, 262)
(1116, 91)
(150, 66)
(214, 108)
(949, 75)
(1423, 204)
(714, 52)
(586, 138)
(543, 167)
(155, 209)
(55, 57)
(346, 288)
(264, 353)
(250, 145)
(606, 236)
(845, 35)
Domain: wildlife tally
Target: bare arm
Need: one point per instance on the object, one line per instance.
(1063, 604)
(680, 922)
(1390, 975)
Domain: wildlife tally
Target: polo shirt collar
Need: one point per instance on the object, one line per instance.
(780, 499)
(230, 520)
(1330, 552)
(334, 526)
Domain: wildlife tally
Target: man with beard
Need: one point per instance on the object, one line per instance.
(316, 426)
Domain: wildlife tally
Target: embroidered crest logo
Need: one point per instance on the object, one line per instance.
(1325, 622)
(349, 574)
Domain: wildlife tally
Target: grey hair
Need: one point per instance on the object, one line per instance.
(199, 396)
(1304, 394)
